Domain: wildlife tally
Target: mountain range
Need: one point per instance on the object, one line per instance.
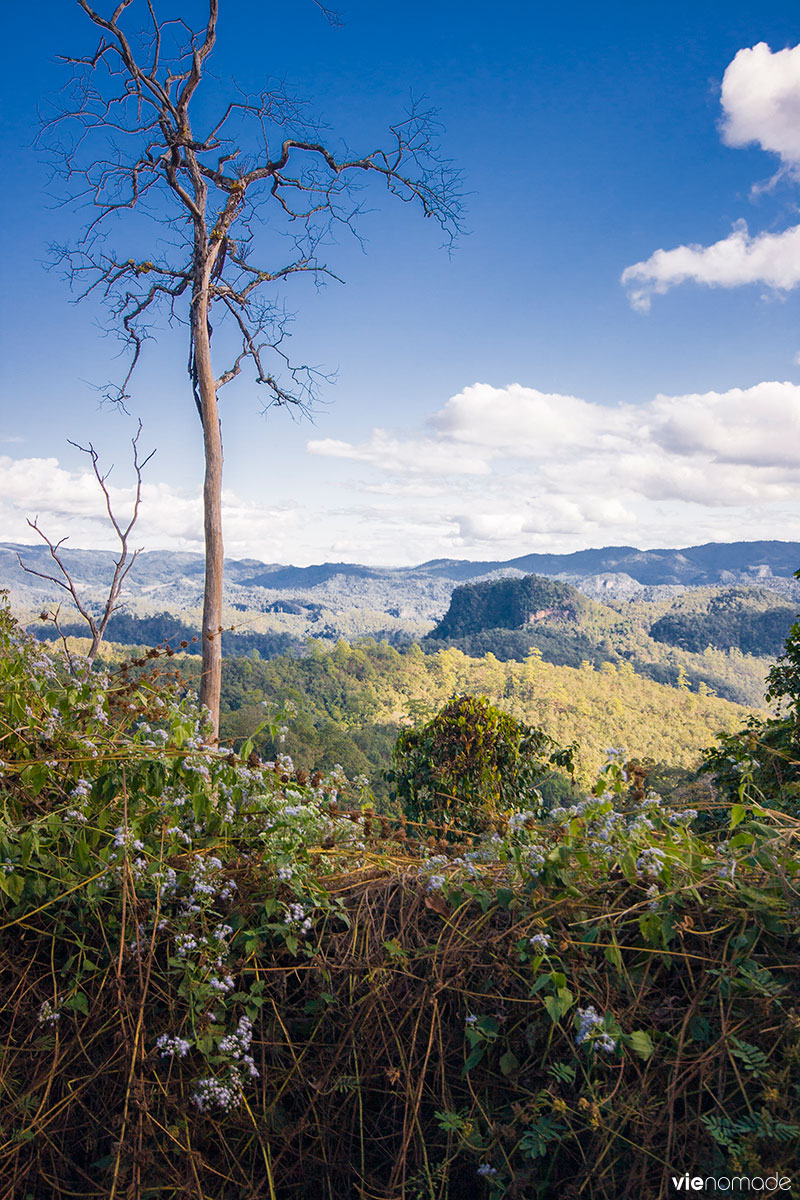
(707, 613)
(767, 563)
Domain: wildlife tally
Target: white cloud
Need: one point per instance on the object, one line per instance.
(560, 469)
(750, 427)
(494, 473)
(69, 504)
(521, 421)
(768, 258)
(423, 456)
(761, 101)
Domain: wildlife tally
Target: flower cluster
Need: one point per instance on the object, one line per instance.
(296, 914)
(540, 942)
(651, 861)
(226, 1093)
(47, 1014)
(591, 1028)
(171, 1046)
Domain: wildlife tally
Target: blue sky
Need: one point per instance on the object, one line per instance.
(514, 396)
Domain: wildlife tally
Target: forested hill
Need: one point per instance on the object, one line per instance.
(509, 604)
(718, 638)
(753, 620)
(349, 704)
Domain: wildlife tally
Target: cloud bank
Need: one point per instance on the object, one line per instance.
(560, 469)
(494, 473)
(760, 100)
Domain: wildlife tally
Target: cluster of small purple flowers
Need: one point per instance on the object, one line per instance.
(651, 861)
(227, 1093)
(48, 1015)
(226, 984)
(540, 942)
(124, 839)
(213, 1093)
(237, 1045)
(206, 886)
(171, 1046)
(296, 914)
(522, 819)
(590, 1024)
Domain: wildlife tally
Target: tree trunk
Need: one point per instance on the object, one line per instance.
(211, 677)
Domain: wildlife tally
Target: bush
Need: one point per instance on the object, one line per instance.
(471, 763)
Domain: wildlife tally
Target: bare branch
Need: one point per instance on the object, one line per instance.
(122, 565)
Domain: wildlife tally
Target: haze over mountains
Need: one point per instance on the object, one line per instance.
(169, 577)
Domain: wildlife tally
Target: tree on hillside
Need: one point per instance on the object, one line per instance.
(146, 133)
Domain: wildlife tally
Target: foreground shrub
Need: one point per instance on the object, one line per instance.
(228, 980)
(470, 763)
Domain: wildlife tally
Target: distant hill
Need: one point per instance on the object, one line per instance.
(748, 619)
(308, 577)
(711, 637)
(714, 562)
(692, 566)
(613, 604)
(508, 604)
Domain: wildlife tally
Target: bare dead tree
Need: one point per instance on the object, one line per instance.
(122, 565)
(134, 135)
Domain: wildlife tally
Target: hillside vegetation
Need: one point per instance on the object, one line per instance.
(348, 704)
(227, 979)
(724, 639)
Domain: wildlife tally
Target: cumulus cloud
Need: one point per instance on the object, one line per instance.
(494, 473)
(760, 100)
(757, 426)
(522, 421)
(560, 468)
(768, 258)
(69, 504)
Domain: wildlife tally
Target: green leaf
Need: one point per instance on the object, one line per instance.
(489, 1026)
(749, 1055)
(639, 1041)
(613, 956)
(509, 1063)
(737, 815)
(562, 1071)
(451, 1122)
(474, 1057)
(553, 1006)
(78, 1003)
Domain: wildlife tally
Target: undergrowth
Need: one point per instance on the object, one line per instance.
(224, 979)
